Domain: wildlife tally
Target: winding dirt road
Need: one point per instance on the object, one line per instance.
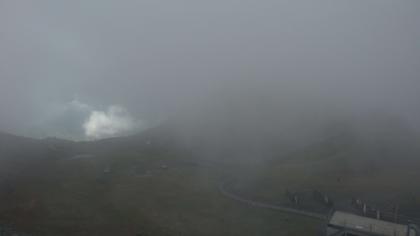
(223, 190)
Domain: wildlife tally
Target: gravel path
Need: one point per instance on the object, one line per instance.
(223, 190)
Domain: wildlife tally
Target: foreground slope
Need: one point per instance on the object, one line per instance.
(155, 183)
(134, 185)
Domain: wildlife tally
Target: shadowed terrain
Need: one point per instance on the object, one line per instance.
(153, 184)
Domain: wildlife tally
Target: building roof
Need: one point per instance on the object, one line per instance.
(370, 225)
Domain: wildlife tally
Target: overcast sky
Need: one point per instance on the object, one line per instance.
(98, 68)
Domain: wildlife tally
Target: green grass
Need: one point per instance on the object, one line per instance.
(77, 198)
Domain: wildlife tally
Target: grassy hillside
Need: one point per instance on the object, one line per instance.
(343, 167)
(142, 190)
(149, 184)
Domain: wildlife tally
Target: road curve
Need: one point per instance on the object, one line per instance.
(223, 190)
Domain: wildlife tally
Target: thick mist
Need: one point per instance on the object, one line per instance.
(261, 72)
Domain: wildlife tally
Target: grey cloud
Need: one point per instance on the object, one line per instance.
(160, 58)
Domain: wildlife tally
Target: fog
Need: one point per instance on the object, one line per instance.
(217, 117)
(95, 69)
